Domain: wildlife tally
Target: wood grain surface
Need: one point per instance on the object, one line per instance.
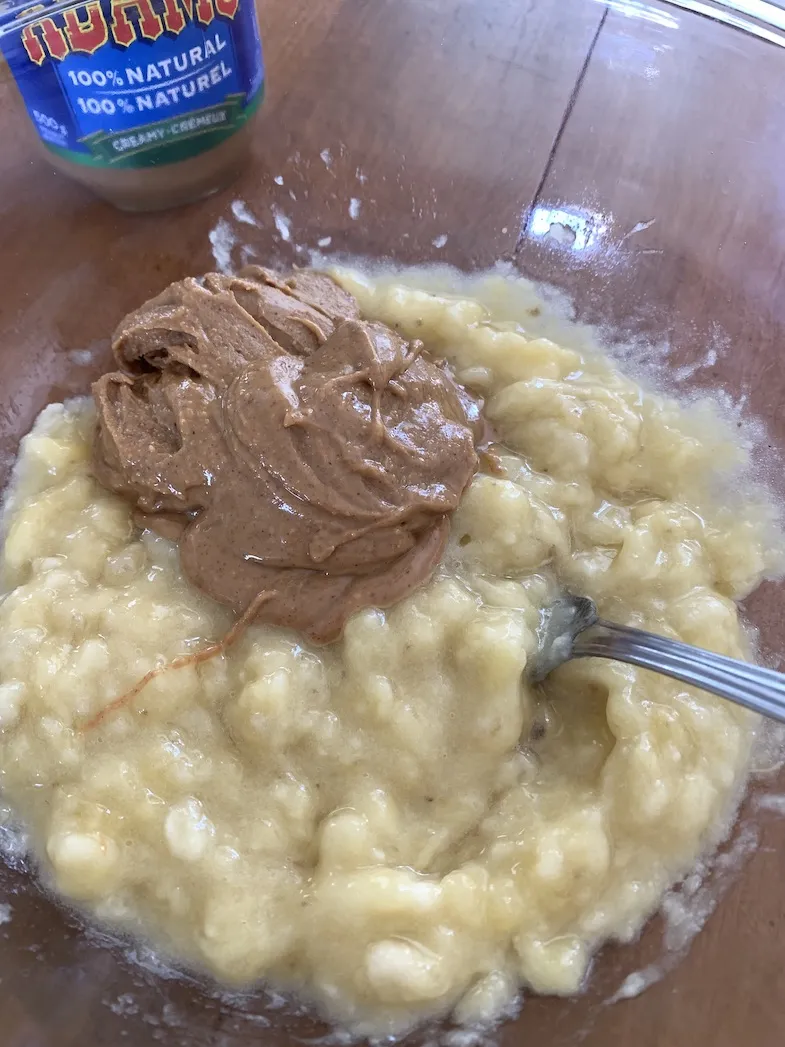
(629, 154)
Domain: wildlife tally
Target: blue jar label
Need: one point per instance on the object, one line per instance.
(134, 83)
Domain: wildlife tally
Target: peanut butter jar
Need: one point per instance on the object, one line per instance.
(148, 103)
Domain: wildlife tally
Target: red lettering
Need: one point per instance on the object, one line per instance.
(32, 45)
(52, 40)
(205, 11)
(227, 8)
(123, 30)
(174, 19)
(86, 36)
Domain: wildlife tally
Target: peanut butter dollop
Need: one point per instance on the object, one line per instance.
(289, 446)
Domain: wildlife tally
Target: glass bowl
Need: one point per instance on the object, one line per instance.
(626, 153)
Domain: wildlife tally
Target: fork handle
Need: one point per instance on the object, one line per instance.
(762, 690)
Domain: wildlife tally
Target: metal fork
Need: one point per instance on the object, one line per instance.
(572, 628)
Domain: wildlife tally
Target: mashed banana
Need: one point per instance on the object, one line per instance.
(395, 825)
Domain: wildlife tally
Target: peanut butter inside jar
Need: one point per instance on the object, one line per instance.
(169, 185)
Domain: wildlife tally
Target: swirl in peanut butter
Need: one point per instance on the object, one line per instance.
(289, 446)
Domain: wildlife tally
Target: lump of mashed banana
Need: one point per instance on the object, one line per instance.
(290, 446)
(396, 824)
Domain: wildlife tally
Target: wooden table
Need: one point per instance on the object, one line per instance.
(629, 153)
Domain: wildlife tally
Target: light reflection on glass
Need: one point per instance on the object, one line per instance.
(646, 12)
(575, 230)
(765, 15)
(761, 18)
